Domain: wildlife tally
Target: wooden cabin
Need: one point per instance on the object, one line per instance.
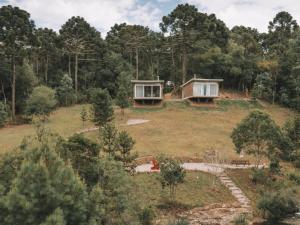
(201, 90)
(148, 91)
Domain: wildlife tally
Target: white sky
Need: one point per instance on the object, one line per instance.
(103, 14)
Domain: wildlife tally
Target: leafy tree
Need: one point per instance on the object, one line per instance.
(290, 146)
(125, 144)
(3, 114)
(171, 174)
(102, 107)
(47, 43)
(79, 38)
(65, 91)
(257, 134)
(108, 139)
(16, 33)
(41, 102)
(83, 116)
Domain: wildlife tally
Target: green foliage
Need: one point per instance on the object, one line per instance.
(41, 102)
(180, 222)
(258, 176)
(108, 138)
(125, 144)
(122, 98)
(241, 219)
(118, 145)
(276, 206)
(57, 218)
(102, 107)
(290, 145)
(65, 92)
(146, 216)
(83, 115)
(3, 114)
(83, 155)
(256, 134)
(171, 174)
(43, 184)
(294, 177)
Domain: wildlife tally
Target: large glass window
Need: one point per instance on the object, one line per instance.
(147, 91)
(139, 89)
(213, 89)
(156, 91)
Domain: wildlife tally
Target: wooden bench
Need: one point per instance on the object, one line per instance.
(240, 162)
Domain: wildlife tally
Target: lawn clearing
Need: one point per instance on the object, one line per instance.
(176, 129)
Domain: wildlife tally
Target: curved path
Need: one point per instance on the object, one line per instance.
(213, 168)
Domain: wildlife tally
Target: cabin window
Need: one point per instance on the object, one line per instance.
(147, 91)
(139, 91)
(213, 90)
(156, 91)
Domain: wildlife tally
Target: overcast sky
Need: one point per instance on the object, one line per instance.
(103, 14)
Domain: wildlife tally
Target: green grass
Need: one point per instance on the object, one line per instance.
(176, 129)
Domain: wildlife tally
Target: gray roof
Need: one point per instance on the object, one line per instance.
(201, 79)
(146, 81)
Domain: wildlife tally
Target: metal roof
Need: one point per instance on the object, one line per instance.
(201, 79)
(147, 81)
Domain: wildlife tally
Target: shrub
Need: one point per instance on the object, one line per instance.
(3, 114)
(41, 102)
(276, 206)
(241, 219)
(295, 178)
(274, 166)
(258, 176)
(179, 222)
(146, 216)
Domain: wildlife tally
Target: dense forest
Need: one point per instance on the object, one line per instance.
(78, 59)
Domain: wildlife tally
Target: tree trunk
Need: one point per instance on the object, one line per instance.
(4, 95)
(69, 66)
(13, 90)
(76, 75)
(184, 65)
(46, 69)
(137, 62)
(37, 66)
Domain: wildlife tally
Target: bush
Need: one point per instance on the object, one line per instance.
(180, 222)
(276, 206)
(146, 216)
(41, 102)
(3, 114)
(241, 219)
(295, 178)
(258, 176)
(274, 166)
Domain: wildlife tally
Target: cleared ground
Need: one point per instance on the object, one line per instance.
(199, 189)
(176, 129)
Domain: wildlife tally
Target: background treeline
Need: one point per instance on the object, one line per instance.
(77, 59)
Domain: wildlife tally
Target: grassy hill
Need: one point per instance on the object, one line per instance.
(176, 129)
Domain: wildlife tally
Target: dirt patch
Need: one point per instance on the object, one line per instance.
(216, 214)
